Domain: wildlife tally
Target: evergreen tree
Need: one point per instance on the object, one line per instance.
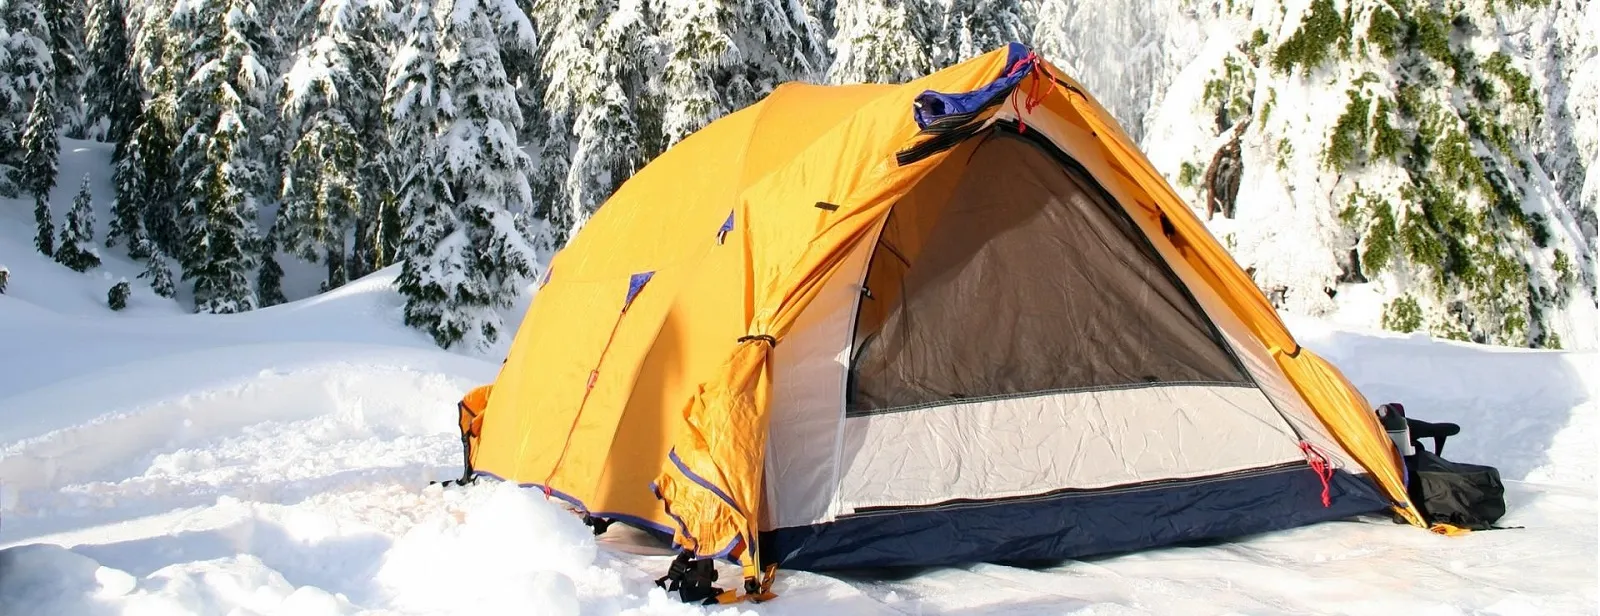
(724, 55)
(151, 51)
(156, 270)
(1113, 50)
(148, 184)
(77, 249)
(463, 257)
(411, 104)
(599, 62)
(65, 21)
(699, 46)
(10, 100)
(332, 109)
(128, 200)
(378, 231)
(30, 65)
(25, 66)
(44, 236)
(219, 163)
(41, 149)
(5, 278)
(970, 28)
(881, 41)
(111, 96)
(550, 131)
(269, 279)
(152, 190)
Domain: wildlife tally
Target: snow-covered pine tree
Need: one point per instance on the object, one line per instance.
(724, 55)
(779, 41)
(149, 31)
(148, 174)
(550, 131)
(881, 41)
(111, 94)
(36, 175)
(65, 18)
(156, 270)
(24, 65)
(30, 65)
(599, 61)
(128, 197)
(44, 235)
(432, 252)
(332, 113)
(528, 79)
(1120, 52)
(219, 163)
(698, 45)
(970, 28)
(485, 168)
(283, 27)
(9, 101)
(77, 250)
(464, 259)
(269, 279)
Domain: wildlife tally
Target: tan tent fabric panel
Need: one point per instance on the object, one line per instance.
(1072, 440)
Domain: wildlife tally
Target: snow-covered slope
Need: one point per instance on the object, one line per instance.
(277, 462)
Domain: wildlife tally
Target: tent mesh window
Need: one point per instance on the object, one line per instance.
(1009, 272)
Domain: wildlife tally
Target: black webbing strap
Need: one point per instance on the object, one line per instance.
(691, 579)
(466, 450)
(598, 525)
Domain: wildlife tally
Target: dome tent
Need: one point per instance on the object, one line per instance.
(961, 319)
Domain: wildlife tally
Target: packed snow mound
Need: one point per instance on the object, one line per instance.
(490, 549)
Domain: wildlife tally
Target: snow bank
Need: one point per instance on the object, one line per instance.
(515, 545)
(488, 549)
(1529, 413)
(50, 580)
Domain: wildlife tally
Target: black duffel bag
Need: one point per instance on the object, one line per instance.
(1469, 496)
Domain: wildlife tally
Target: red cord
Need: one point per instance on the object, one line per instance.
(1319, 464)
(1033, 97)
(594, 377)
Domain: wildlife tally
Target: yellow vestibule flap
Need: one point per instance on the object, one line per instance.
(711, 485)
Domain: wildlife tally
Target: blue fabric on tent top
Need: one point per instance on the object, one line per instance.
(931, 106)
(635, 285)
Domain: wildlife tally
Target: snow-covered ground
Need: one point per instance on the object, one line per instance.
(277, 462)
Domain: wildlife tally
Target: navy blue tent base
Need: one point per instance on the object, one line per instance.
(1074, 524)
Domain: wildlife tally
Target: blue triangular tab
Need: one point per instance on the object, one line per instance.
(931, 106)
(635, 285)
(727, 226)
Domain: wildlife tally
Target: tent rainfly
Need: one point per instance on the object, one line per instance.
(961, 319)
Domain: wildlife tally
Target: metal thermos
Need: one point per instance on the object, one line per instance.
(1393, 418)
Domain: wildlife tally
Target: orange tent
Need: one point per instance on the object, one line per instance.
(954, 320)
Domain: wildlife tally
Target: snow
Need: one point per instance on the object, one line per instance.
(278, 462)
